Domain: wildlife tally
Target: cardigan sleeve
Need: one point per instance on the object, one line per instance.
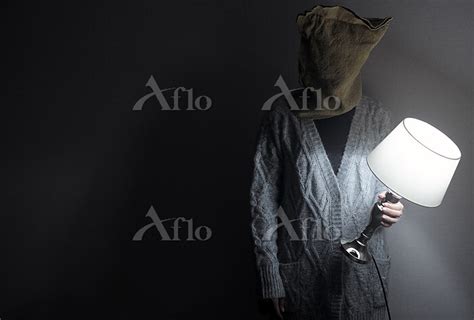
(384, 127)
(265, 197)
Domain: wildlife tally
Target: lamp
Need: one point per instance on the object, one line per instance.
(420, 171)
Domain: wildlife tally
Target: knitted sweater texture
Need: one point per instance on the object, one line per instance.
(301, 210)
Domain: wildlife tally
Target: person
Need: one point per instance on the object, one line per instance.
(312, 188)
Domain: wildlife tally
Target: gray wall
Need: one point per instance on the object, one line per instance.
(423, 68)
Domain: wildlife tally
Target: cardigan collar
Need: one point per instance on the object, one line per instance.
(334, 182)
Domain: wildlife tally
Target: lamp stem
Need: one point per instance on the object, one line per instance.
(376, 216)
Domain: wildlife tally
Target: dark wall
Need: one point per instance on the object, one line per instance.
(82, 168)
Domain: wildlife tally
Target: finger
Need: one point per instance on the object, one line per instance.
(279, 315)
(282, 305)
(389, 220)
(396, 206)
(277, 308)
(381, 195)
(386, 225)
(392, 213)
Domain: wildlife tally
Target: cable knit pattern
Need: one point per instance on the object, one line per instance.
(301, 210)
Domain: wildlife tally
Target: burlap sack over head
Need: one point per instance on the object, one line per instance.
(335, 43)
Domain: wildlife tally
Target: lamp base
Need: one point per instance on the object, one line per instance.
(356, 250)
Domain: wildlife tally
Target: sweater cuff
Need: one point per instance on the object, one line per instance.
(272, 285)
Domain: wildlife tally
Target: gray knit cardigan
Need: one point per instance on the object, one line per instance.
(301, 210)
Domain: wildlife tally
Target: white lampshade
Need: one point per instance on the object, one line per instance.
(416, 161)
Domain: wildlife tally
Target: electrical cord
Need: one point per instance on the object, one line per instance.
(383, 288)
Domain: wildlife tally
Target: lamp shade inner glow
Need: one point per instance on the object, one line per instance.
(416, 161)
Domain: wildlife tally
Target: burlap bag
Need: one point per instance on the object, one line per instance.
(335, 43)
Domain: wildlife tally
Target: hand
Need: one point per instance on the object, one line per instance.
(392, 212)
(279, 306)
